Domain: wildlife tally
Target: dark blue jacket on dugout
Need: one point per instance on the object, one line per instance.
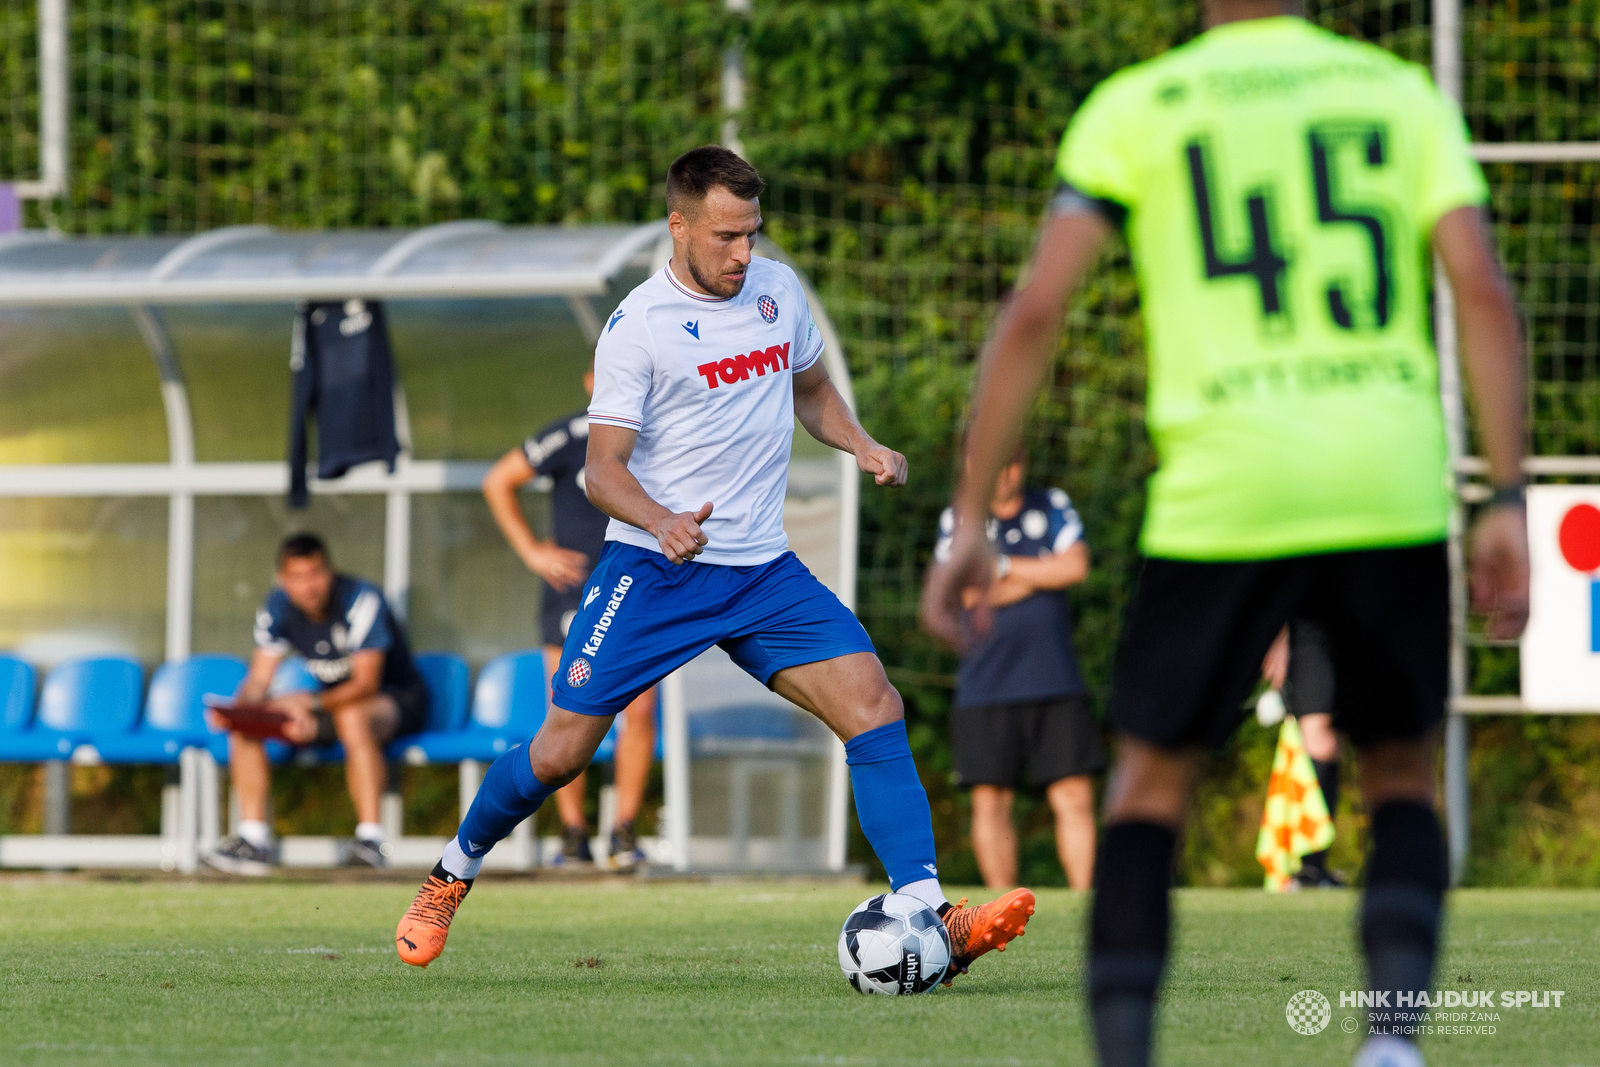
(343, 371)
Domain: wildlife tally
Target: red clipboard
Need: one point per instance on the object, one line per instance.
(252, 720)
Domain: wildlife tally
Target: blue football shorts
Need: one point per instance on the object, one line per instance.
(643, 617)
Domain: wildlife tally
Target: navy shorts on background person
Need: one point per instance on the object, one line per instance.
(1196, 632)
(643, 617)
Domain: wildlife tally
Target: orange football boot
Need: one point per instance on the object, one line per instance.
(974, 931)
(425, 925)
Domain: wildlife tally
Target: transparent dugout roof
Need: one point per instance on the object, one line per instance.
(491, 328)
(258, 263)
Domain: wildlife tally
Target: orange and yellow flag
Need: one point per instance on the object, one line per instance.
(1295, 821)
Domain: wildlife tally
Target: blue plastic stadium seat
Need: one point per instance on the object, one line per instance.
(292, 676)
(89, 702)
(507, 708)
(174, 712)
(19, 743)
(446, 676)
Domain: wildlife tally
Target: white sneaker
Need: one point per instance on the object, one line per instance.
(1386, 1050)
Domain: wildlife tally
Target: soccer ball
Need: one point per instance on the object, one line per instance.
(895, 945)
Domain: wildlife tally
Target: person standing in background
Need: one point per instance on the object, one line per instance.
(558, 452)
(1020, 700)
(1300, 665)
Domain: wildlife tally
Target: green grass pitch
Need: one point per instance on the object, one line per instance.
(113, 972)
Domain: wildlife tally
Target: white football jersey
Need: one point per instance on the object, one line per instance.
(707, 383)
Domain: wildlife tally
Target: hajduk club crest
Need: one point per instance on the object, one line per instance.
(579, 672)
(768, 308)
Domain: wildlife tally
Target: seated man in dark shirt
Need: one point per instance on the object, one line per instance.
(370, 692)
(1020, 701)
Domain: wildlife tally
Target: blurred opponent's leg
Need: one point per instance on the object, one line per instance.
(1130, 919)
(1407, 874)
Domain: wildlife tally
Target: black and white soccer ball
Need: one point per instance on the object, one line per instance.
(895, 945)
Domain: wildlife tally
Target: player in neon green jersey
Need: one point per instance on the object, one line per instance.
(1281, 189)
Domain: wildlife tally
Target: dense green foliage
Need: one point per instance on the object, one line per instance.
(908, 146)
(546, 973)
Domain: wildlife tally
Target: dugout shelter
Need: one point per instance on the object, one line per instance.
(144, 391)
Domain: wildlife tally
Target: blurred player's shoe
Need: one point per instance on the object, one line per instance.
(625, 851)
(371, 853)
(235, 855)
(423, 928)
(1386, 1050)
(574, 847)
(974, 931)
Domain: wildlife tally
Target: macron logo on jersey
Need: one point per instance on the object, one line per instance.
(594, 592)
(614, 318)
(692, 329)
(738, 368)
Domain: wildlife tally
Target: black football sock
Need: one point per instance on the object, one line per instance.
(1128, 929)
(1403, 905)
(1328, 779)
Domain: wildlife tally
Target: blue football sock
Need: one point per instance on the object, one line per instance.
(891, 804)
(509, 794)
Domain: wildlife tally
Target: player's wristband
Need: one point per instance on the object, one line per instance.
(1508, 496)
(1002, 566)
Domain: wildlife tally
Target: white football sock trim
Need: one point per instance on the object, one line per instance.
(926, 890)
(457, 862)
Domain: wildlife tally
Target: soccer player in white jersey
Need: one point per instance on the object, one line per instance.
(700, 374)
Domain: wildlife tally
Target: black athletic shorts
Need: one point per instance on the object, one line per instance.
(412, 700)
(1308, 690)
(1054, 738)
(1195, 635)
(556, 612)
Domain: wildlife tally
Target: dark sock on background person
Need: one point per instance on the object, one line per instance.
(1403, 904)
(1328, 779)
(1129, 925)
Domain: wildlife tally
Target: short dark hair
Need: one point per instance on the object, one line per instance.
(696, 172)
(302, 545)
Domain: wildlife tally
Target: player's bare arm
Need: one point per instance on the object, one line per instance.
(1492, 349)
(563, 568)
(263, 665)
(1013, 368)
(825, 415)
(614, 490)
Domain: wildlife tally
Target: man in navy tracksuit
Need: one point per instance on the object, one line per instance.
(369, 692)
